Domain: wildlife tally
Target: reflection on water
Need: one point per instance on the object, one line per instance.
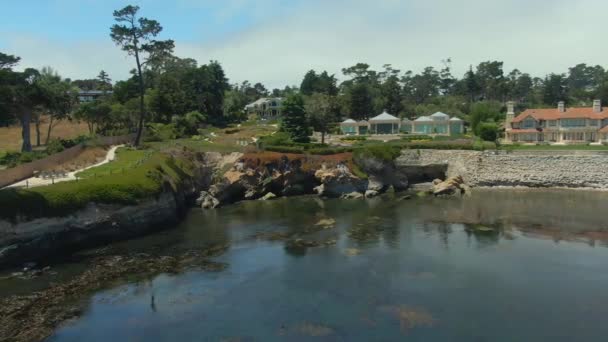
(500, 265)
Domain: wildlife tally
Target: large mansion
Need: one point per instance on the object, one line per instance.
(265, 108)
(559, 125)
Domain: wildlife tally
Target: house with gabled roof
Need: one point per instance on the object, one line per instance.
(384, 123)
(265, 107)
(437, 124)
(561, 125)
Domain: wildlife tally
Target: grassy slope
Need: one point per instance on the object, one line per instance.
(140, 182)
(125, 160)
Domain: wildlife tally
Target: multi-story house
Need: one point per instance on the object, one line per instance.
(92, 95)
(559, 125)
(265, 108)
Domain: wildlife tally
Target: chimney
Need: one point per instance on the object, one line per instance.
(561, 106)
(510, 116)
(510, 108)
(597, 106)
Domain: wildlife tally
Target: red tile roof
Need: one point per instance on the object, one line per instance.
(604, 130)
(554, 114)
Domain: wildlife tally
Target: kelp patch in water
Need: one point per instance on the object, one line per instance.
(306, 329)
(409, 317)
(352, 251)
(34, 317)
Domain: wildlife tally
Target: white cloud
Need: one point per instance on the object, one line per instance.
(534, 36)
(71, 60)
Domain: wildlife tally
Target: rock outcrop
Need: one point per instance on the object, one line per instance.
(338, 181)
(97, 224)
(450, 187)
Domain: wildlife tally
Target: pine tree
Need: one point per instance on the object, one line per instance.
(295, 122)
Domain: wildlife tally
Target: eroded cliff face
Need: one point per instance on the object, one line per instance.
(265, 176)
(97, 224)
(30, 240)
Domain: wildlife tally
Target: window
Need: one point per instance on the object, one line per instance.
(575, 136)
(529, 123)
(593, 123)
(573, 122)
(552, 123)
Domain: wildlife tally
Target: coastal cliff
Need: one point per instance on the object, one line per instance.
(218, 180)
(268, 175)
(31, 236)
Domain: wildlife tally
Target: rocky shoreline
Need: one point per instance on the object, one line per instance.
(222, 180)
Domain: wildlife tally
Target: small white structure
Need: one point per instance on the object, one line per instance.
(437, 124)
(384, 123)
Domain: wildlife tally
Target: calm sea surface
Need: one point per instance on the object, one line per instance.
(502, 265)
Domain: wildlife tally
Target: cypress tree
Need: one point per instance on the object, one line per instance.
(295, 122)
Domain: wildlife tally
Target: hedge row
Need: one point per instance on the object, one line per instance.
(323, 150)
(411, 137)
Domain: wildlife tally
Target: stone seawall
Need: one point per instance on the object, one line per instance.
(569, 169)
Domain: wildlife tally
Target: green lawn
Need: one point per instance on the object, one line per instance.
(125, 160)
(142, 181)
(195, 145)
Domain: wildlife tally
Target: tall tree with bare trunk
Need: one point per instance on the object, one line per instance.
(136, 35)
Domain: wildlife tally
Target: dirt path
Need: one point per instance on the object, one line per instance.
(36, 181)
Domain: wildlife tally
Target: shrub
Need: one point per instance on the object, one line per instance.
(384, 152)
(160, 132)
(232, 130)
(329, 150)
(67, 143)
(277, 139)
(488, 131)
(354, 138)
(285, 149)
(452, 145)
(188, 124)
(54, 146)
(412, 137)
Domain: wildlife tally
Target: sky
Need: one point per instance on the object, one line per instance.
(277, 41)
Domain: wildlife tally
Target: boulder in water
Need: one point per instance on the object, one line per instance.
(269, 196)
(450, 187)
(352, 195)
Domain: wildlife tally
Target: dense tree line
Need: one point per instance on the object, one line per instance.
(166, 89)
(478, 96)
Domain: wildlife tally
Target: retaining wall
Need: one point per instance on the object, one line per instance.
(571, 169)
